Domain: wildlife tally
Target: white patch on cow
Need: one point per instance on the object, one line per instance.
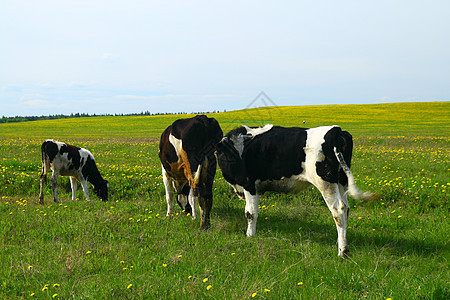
(313, 151)
(256, 131)
(251, 211)
(316, 137)
(170, 191)
(238, 142)
(193, 202)
(176, 143)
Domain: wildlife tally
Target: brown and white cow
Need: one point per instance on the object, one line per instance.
(272, 158)
(186, 151)
(68, 160)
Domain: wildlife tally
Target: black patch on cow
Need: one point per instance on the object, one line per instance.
(90, 173)
(271, 155)
(346, 144)
(73, 154)
(233, 169)
(199, 136)
(50, 149)
(328, 169)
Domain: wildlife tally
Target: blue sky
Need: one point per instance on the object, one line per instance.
(91, 56)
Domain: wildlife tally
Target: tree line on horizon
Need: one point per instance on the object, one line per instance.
(85, 115)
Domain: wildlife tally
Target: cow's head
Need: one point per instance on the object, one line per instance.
(101, 190)
(231, 162)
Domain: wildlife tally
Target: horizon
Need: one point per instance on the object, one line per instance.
(147, 113)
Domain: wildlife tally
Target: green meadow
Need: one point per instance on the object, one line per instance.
(127, 248)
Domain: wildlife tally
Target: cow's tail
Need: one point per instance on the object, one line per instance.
(353, 190)
(202, 169)
(45, 163)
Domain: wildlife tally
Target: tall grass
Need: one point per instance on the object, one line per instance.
(127, 248)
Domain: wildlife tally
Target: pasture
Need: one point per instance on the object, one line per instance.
(128, 249)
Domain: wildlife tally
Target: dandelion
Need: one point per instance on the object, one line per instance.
(122, 262)
(266, 290)
(30, 267)
(32, 295)
(55, 295)
(129, 286)
(56, 285)
(164, 265)
(205, 280)
(208, 287)
(300, 283)
(190, 276)
(233, 253)
(45, 287)
(88, 252)
(399, 217)
(180, 256)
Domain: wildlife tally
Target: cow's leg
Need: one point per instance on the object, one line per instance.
(205, 204)
(193, 203)
(54, 180)
(170, 194)
(42, 181)
(339, 209)
(251, 211)
(85, 188)
(73, 184)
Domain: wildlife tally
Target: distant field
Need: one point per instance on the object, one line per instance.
(429, 118)
(128, 249)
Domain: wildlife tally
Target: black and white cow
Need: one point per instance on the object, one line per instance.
(186, 151)
(68, 160)
(272, 158)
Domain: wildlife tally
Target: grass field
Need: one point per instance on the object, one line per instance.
(128, 249)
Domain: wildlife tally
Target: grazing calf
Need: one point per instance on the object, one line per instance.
(272, 158)
(68, 160)
(186, 151)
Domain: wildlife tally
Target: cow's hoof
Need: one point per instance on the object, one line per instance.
(343, 253)
(205, 226)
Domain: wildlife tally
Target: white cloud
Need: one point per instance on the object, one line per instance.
(36, 103)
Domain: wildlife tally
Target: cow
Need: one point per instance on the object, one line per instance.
(68, 160)
(288, 160)
(186, 151)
